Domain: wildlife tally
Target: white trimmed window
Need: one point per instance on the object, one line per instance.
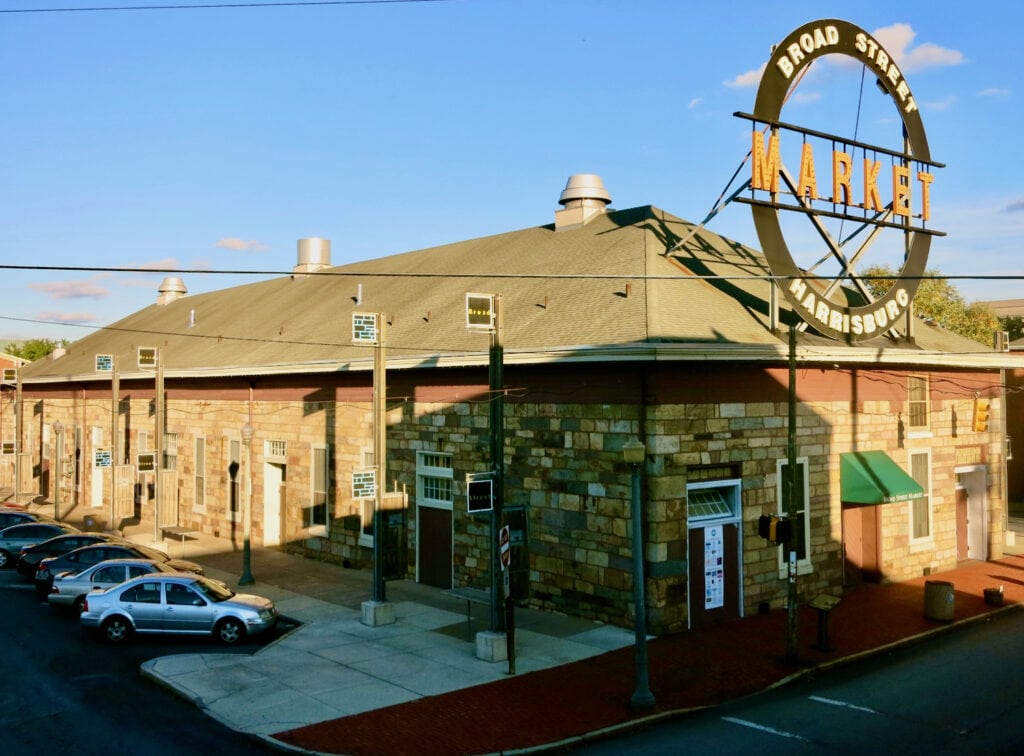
(801, 519)
(170, 451)
(316, 516)
(366, 504)
(234, 479)
(921, 508)
(917, 402)
(434, 480)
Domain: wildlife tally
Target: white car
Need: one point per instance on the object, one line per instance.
(180, 603)
(70, 588)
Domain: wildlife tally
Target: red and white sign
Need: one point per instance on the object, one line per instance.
(504, 548)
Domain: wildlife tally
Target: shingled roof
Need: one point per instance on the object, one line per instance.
(615, 288)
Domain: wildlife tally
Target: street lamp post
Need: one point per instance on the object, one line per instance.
(633, 451)
(246, 577)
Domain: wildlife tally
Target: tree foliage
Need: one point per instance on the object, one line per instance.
(34, 349)
(941, 301)
(1013, 325)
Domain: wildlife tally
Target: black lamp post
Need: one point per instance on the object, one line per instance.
(633, 451)
(247, 578)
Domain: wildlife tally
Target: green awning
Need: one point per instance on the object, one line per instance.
(871, 477)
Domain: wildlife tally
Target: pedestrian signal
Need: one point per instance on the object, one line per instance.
(777, 530)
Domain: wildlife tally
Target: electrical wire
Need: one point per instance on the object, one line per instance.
(205, 6)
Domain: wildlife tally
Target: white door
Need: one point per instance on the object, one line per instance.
(976, 517)
(273, 485)
(974, 480)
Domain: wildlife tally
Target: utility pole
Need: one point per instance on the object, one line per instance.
(115, 447)
(369, 329)
(159, 405)
(789, 487)
(19, 421)
(380, 422)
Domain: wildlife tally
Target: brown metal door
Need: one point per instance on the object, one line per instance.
(435, 546)
(702, 609)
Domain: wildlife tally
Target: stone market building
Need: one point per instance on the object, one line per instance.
(617, 325)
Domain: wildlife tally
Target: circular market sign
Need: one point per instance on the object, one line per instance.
(837, 177)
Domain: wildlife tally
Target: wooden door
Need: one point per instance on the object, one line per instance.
(861, 545)
(434, 552)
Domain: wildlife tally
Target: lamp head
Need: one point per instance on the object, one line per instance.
(633, 451)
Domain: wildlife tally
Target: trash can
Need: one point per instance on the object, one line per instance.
(94, 524)
(938, 600)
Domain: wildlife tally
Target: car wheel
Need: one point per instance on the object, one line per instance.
(5, 559)
(230, 631)
(117, 629)
(77, 604)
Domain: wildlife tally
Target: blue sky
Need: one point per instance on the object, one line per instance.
(215, 138)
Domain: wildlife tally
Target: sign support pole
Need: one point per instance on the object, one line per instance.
(496, 381)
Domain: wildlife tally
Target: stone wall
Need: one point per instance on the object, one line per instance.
(564, 465)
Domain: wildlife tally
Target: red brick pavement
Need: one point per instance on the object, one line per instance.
(702, 667)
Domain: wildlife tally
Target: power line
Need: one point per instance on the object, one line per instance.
(485, 274)
(202, 6)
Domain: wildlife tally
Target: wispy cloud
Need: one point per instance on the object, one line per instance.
(1016, 206)
(943, 104)
(241, 245)
(72, 289)
(695, 102)
(168, 263)
(746, 80)
(806, 97)
(67, 317)
(994, 92)
(898, 40)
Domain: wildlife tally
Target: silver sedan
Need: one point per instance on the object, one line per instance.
(188, 604)
(71, 588)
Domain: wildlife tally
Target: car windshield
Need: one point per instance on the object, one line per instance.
(213, 591)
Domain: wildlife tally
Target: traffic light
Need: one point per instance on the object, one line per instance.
(774, 529)
(981, 410)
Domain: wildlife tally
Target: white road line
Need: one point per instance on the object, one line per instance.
(764, 728)
(833, 702)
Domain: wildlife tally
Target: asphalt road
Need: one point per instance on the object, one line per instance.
(960, 693)
(64, 690)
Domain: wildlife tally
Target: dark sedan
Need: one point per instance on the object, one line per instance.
(86, 556)
(30, 558)
(18, 537)
(10, 517)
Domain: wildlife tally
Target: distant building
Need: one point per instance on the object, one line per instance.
(617, 325)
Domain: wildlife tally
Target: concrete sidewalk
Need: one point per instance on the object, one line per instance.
(332, 665)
